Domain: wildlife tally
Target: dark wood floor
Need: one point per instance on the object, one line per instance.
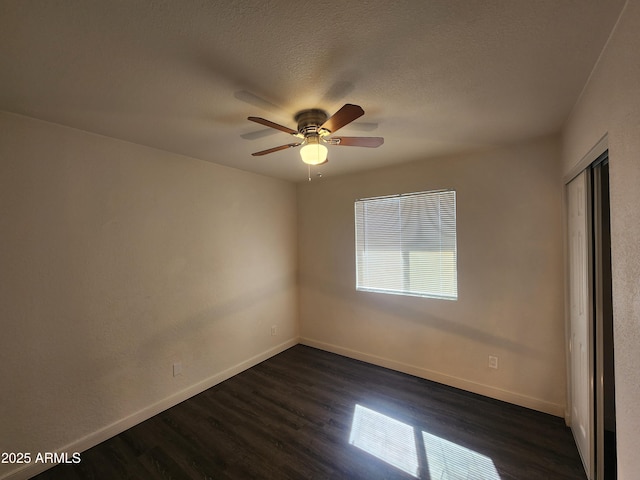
(291, 417)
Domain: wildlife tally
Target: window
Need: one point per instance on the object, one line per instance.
(406, 244)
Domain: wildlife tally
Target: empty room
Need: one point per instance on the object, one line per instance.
(198, 281)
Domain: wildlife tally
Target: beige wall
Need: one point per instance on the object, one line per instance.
(510, 271)
(611, 105)
(118, 260)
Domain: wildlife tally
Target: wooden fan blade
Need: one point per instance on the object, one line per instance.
(371, 142)
(347, 114)
(269, 123)
(275, 149)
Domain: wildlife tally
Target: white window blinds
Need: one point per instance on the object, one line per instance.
(406, 244)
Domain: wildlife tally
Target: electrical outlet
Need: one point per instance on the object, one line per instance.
(493, 361)
(274, 330)
(177, 369)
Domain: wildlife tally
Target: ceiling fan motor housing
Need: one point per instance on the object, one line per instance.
(310, 120)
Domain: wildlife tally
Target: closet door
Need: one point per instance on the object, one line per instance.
(580, 318)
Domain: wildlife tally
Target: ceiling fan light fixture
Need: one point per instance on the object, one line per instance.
(313, 152)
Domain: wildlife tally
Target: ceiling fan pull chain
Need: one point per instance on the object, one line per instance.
(309, 169)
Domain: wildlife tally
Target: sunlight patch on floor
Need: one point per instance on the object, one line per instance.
(450, 461)
(397, 444)
(385, 438)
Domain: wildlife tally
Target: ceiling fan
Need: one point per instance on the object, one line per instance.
(315, 128)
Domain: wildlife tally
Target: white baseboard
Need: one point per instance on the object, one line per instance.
(481, 389)
(29, 470)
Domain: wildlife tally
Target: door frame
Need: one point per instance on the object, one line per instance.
(594, 464)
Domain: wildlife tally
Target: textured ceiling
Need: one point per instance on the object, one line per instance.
(434, 77)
